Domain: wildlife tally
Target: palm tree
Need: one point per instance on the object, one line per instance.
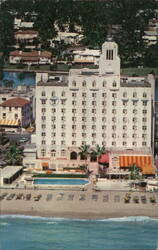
(14, 155)
(134, 172)
(98, 151)
(84, 153)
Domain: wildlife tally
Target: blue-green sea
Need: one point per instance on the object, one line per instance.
(40, 233)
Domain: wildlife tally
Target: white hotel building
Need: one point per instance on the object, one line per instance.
(93, 107)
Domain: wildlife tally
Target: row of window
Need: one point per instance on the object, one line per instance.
(114, 95)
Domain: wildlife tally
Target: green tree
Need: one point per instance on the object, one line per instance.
(84, 153)
(134, 172)
(98, 151)
(14, 155)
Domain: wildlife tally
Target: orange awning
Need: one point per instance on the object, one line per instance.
(45, 164)
(142, 161)
(4, 122)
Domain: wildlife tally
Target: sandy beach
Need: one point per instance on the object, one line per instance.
(88, 204)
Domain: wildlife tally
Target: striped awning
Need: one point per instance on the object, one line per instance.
(142, 161)
(4, 122)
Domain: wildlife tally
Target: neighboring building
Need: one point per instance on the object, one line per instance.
(93, 107)
(150, 37)
(20, 24)
(68, 38)
(27, 39)
(33, 57)
(15, 114)
(87, 56)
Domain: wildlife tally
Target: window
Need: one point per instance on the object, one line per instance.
(93, 102)
(53, 153)
(83, 102)
(104, 83)
(43, 134)
(125, 94)
(53, 118)
(103, 119)
(53, 126)
(84, 84)
(144, 143)
(63, 102)
(63, 126)
(83, 126)
(134, 94)
(73, 119)
(43, 142)
(104, 111)
(43, 110)
(84, 94)
(93, 134)
(73, 110)
(43, 126)
(134, 127)
(114, 84)
(134, 103)
(114, 127)
(83, 111)
(63, 93)
(73, 142)
(43, 93)
(144, 95)
(63, 142)
(103, 127)
(53, 134)
(94, 127)
(94, 119)
(114, 111)
(134, 136)
(113, 143)
(124, 135)
(144, 136)
(84, 119)
(144, 111)
(73, 126)
(124, 103)
(135, 111)
(144, 103)
(63, 118)
(113, 119)
(74, 102)
(63, 110)
(83, 134)
(113, 103)
(124, 111)
(74, 83)
(103, 135)
(63, 152)
(43, 152)
(43, 118)
(53, 142)
(124, 143)
(144, 119)
(134, 119)
(113, 135)
(134, 143)
(104, 103)
(63, 134)
(94, 111)
(53, 93)
(114, 95)
(94, 94)
(144, 127)
(74, 94)
(53, 110)
(73, 134)
(94, 84)
(124, 127)
(104, 95)
(43, 101)
(10, 109)
(4, 115)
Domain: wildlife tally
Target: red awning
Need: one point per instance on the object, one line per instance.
(104, 158)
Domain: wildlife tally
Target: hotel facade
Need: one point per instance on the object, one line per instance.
(93, 106)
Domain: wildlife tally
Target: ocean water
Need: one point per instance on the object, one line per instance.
(40, 233)
(60, 181)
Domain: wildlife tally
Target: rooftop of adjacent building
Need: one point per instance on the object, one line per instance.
(15, 102)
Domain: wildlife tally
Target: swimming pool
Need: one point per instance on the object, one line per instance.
(58, 181)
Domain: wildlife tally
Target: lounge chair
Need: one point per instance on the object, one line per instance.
(105, 198)
(143, 199)
(49, 197)
(70, 197)
(3, 196)
(152, 199)
(60, 196)
(28, 197)
(82, 197)
(136, 199)
(117, 198)
(94, 197)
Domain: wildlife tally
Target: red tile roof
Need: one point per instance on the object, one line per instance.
(15, 102)
(23, 32)
(31, 54)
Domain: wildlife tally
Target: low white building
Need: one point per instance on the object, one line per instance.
(20, 24)
(68, 37)
(87, 56)
(150, 37)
